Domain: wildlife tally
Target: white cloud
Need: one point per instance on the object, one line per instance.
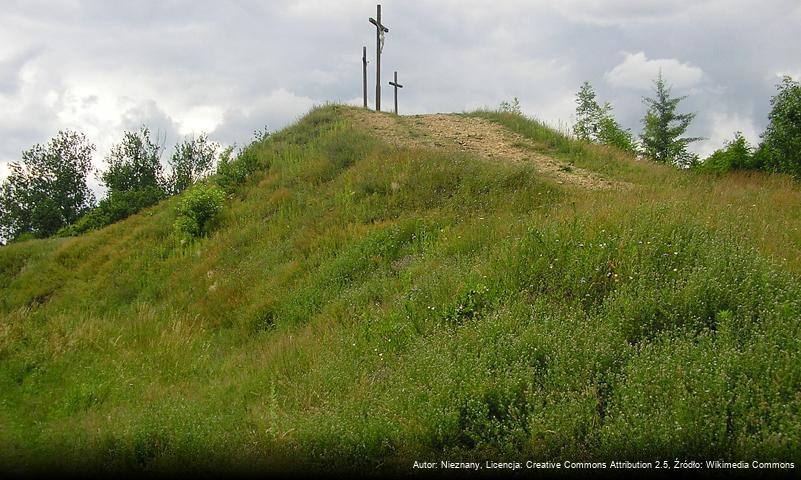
(637, 71)
(272, 111)
(184, 67)
(13, 71)
(794, 74)
(200, 118)
(722, 128)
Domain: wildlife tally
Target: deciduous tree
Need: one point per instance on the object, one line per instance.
(780, 149)
(134, 164)
(48, 189)
(595, 123)
(192, 160)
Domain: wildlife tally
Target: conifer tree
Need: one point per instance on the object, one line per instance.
(663, 128)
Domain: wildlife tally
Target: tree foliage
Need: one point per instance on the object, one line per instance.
(48, 189)
(134, 163)
(199, 210)
(588, 113)
(512, 106)
(234, 168)
(780, 150)
(663, 128)
(114, 207)
(134, 178)
(595, 123)
(192, 160)
(737, 154)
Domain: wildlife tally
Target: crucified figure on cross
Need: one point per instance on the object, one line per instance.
(380, 29)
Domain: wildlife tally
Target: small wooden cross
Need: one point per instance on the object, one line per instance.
(380, 29)
(397, 86)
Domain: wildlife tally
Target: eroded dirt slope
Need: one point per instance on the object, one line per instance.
(477, 136)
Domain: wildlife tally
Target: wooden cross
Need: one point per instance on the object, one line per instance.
(380, 29)
(364, 74)
(397, 86)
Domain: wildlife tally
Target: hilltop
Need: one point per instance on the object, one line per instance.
(388, 289)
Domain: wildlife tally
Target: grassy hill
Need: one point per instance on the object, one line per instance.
(362, 305)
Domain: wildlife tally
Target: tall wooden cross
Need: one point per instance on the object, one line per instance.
(397, 86)
(364, 74)
(380, 29)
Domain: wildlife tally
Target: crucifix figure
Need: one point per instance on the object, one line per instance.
(397, 86)
(380, 29)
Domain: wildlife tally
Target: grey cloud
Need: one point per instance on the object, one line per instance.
(106, 66)
(621, 12)
(11, 69)
(270, 111)
(149, 114)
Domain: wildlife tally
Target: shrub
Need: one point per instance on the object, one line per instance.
(511, 107)
(611, 133)
(120, 205)
(199, 210)
(736, 155)
(117, 206)
(232, 171)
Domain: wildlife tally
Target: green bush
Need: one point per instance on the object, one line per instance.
(232, 171)
(120, 205)
(511, 107)
(736, 155)
(117, 206)
(199, 210)
(611, 133)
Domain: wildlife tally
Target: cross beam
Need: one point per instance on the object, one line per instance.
(397, 86)
(380, 29)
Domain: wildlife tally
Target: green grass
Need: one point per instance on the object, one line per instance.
(362, 306)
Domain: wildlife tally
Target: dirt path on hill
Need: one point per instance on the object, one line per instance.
(476, 136)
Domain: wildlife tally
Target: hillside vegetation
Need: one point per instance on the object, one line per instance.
(365, 305)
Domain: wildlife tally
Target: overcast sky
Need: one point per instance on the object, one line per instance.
(229, 68)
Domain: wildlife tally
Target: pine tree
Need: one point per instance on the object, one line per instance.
(663, 128)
